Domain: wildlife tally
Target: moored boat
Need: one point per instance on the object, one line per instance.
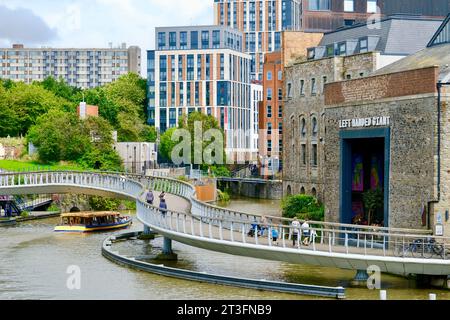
(92, 222)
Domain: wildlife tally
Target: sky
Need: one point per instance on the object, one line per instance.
(96, 23)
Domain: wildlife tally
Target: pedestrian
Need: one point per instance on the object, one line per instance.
(150, 197)
(163, 207)
(295, 231)
(162, 195)
(264, 225)
(275, 235)
(306, 233)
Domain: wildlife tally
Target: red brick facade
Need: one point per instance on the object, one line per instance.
(399, 84)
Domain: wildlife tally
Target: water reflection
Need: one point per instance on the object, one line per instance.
(34, 262)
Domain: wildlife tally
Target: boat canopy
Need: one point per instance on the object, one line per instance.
(90, 214)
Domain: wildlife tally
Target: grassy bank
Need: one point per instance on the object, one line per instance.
(16, 165)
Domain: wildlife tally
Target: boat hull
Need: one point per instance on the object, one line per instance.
(86, 229)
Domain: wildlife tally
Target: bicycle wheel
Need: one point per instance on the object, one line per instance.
(428, 251)
(416, 250)
(438, 249)
(399, 250)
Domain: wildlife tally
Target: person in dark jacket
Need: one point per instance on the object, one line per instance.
(163, 207)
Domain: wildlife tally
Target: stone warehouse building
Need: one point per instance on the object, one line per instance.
(389, 133)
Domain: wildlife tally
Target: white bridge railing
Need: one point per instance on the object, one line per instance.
(209, 222)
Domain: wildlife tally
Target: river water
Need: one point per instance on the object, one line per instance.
(34, 262)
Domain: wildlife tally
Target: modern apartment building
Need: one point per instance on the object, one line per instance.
(202, 68)
(262, 22)
(329, 15)
(83, 68)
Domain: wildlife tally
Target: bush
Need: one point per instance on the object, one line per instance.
(303, 207)
(53, 208)
(25, 214)
(223, 196)
(104, 204)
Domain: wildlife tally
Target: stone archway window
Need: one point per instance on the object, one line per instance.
(303, 127)
(314, 192)
(315, 127)
(302, 190)
(289, 191)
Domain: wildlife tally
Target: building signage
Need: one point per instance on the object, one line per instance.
(365, 122)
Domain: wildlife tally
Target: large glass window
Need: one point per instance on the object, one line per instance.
(205, 39)
(371, 6)
(216, 39)
(161, 40)
(183, 40)
(172, 40)
(319, 5)
(349, 5)
(194, 39)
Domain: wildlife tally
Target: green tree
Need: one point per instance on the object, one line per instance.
(373, 200)
(166, 144)
(304, 207)
(58, 136)
(22, 104)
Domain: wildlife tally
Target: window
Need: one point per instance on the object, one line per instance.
(216, 39)
(314, 155)
(280, 75)
(349, 5)
(161, 40)
(342, 49)
(172, 40)
(324, 81)
(194, 39)
(302, 88)
(317, 5)
(330, 50)
(280, 94)
(269, 94)
(349, 76)
(372, 6)
(269, 75)
(303, 128)
(205, 39)
(269, 128)
(280, 128)
(269, 111)
(303, 155)
(313, 86)
(311, 53)
(280, 111)
(183, 40)
(363, 45)
(289, 90)
(315, 127)
(349, 22)
(269, 146)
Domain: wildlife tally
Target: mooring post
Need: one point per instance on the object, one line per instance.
(383, 295)
(167, 252)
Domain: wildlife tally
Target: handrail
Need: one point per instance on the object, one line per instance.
(202, 225)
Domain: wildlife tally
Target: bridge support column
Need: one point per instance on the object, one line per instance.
(360, 278)
(167, 252)
(148, 234)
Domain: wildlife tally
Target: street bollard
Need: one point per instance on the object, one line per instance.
(383, 295)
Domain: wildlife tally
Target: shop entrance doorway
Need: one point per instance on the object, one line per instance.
(365, 178)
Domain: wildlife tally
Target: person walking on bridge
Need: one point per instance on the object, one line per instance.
(163, 207)
(295, 231)
(150, 197)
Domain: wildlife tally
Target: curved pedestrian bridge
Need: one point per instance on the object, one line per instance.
(398, 251)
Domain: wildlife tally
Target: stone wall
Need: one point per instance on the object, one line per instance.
(301, 176)
(412, 155)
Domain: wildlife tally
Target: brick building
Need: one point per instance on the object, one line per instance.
(387, 133)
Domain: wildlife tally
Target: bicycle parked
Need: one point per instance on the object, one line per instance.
(420, 248)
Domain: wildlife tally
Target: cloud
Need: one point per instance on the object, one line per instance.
(22, 25)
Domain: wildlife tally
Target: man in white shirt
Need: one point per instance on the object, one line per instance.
(306, 233)
(295, 231)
